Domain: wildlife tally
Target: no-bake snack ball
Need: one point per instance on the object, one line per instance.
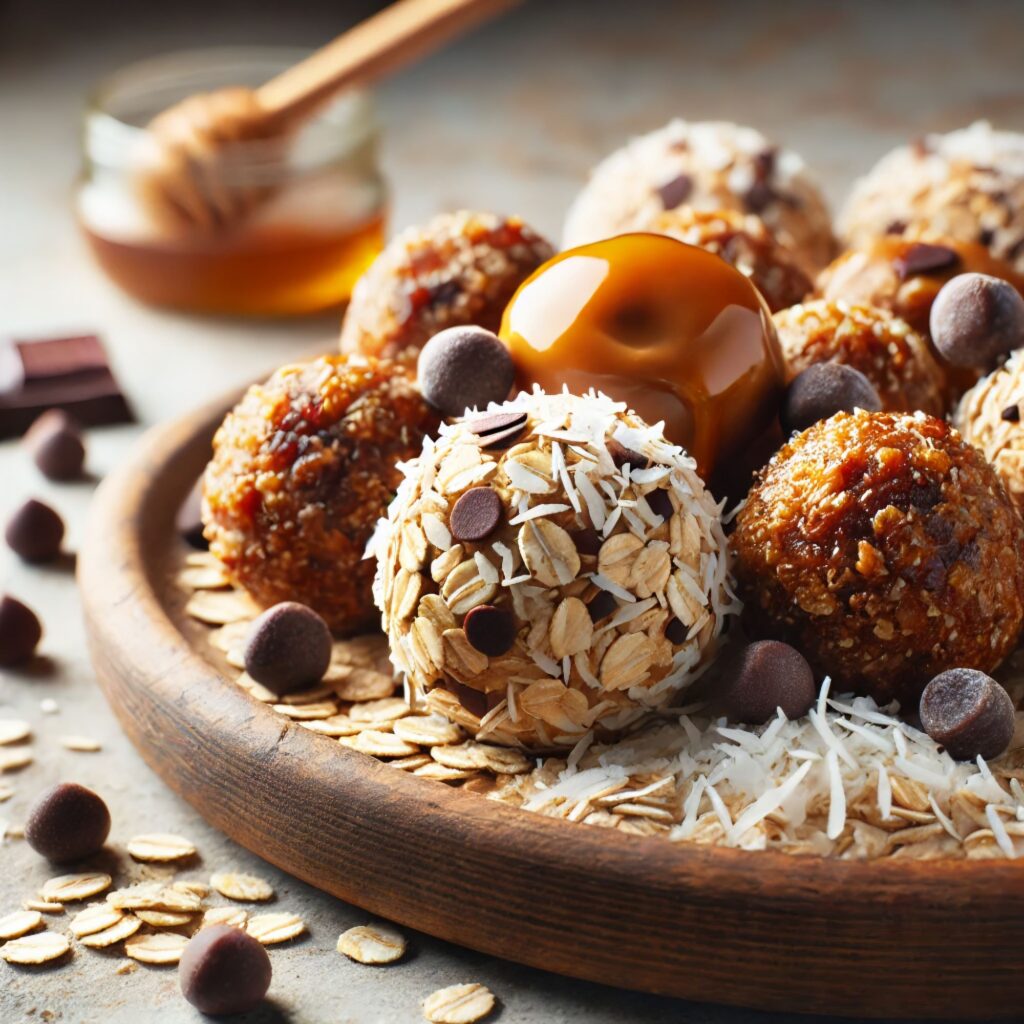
(742, 240)
(708, 165)
(458, 268)
(893, 356)
(885, 548)
(302, 468)
(550, 567)
(968, 185)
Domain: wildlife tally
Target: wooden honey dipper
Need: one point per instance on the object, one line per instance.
(186, 183)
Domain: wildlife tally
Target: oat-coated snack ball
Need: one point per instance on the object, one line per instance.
(302, 468)
(742, 240)
(550, 567)
(883, 547)
(967, 184)
(458, 268)
(708, 165)
(893, 356)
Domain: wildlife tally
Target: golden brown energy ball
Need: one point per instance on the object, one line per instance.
(459, 268)
(893, 356)
(302, 469)
(884, 548)
(742, 240)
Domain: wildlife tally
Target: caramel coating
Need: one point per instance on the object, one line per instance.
(886, 550)
(744, 241)
(302, 469)
(459, 268)
(893, 356)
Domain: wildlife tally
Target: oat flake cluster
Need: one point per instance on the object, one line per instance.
(604, 558)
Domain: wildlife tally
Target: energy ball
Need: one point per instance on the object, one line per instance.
(742, 240)
(302, 468)
(989, 417)
(708, 165)
(537, 587)
(459, 268)
(968, 185)
(893, 356)
(884, 548)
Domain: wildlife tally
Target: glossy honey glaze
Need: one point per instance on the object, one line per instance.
(672, 330)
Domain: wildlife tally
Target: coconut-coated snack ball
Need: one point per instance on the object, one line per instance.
(885, 549)
(458, 268)
(546, 608)
(707, 165)
(967, 184)
(302, 468)
(893, 356)
(976, 320)
(742, 240)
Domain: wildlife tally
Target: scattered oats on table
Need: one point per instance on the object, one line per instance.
(81, 744)
(372, 944)
(71, 888)
(458, 1004)
(122, 929)
(160, 847)
(246, 888)
(40, 948)
(157, 948)
(13, 730)
(270, 929)
(20, 922)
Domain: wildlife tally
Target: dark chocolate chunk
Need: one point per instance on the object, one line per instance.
(660, 503)
(71, 374)
(35, 532)
(896, 227)
(675, 192)
(67, 822)
(821, 391)
(498, 429)
(465, 367)
(476, 702)
(56, 445)
(1011, 414)
(492, 631)
(224, 970)
(763, 677)
(976, 319)
(588, 541)
(288, 648)
(601, 604)
(189, 520)
(924, 258)
(622, 456)
(675, 631)
(969, 713)
(20, 632)
(476, 514)
(759, 197)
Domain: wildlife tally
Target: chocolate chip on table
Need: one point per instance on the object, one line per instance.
(189, 520)
(976, 319)
(764, 676)
(20, 632)
(969, 713)
(492, 631)
(35, 532)
(621, 456)
(924, 258)
(224, 970)
(288, 648)
(675, 192)
(56, 445)
(601, 604)
(660, 503)
(463, 367)
(67, 822)
(821, 391)
(476, 514)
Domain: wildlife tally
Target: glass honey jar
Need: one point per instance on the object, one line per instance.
(299, 250)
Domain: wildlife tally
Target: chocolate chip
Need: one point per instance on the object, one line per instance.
(476, 514)
(759, 197)
(969, 713)
(463, 367)
(20, 632)
(498, 430)
(588, 541)
(622, 456)
(288, 648)
(35, 532)
(601, 604)
(67, 822)
(976, 319)
(1011, 414)
(821, 391)
(924, 258)
(492, 631)
(660, 503)
(55, 443)
(224, 970)
(895, 227)
(765, 676)
(675, 631)
(189, 520)
(675, 192)
(475, 702)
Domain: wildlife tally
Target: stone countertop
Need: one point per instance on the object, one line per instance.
(509, 119)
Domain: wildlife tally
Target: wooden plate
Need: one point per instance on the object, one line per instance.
(765, 930)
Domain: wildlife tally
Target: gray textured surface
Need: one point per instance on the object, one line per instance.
(511, 120)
